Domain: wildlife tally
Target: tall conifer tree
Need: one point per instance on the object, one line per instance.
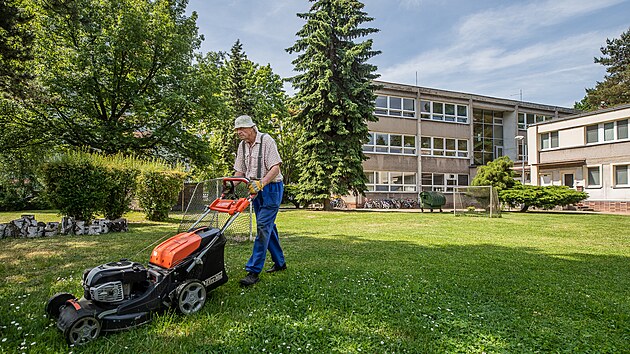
(336, 96)
(615, 89)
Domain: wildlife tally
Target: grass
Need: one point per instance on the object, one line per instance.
(361, 282)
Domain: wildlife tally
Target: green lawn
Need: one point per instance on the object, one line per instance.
(370, 282)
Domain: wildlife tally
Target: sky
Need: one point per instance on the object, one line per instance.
(532, 50)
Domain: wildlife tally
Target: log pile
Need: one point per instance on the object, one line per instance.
(27, 227)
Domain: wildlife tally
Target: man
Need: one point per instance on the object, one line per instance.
(258, 159)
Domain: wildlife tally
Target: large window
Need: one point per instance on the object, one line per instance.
(391, 144)
(621, 175)
(593, 177)
(387, 181)
(449, 147)
(443, 182)
(487, 135)
(527, 119)
(549, 140)
(447, 112)
(610, 131)
(395, 106)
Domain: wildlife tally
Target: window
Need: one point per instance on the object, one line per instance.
(487, 135)
(593, 177)
(545, 179)
(621, 175)
(437, 146)
(592, 134)
(395, 106)
(527, 119)
(609, 131)
(622, 129)
(605, 132)
(555, 142)
(549, 140)
(383, 181)
(544, 141)
(391, 144)
(447, 112)
(443, 182)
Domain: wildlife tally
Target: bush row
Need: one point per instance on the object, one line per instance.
(82, 184)
(542, 197)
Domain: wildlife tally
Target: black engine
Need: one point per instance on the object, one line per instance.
(115, 282)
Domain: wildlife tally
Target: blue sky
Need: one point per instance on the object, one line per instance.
(542, 49)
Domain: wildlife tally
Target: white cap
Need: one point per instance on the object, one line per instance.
(243, 122)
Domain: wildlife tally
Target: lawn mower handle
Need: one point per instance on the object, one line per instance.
(230, 189)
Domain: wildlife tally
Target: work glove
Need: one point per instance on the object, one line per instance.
(255, 187)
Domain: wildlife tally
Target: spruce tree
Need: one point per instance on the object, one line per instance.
(336, 96)
(238, 68)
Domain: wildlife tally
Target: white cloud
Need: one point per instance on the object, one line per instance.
(520, 20)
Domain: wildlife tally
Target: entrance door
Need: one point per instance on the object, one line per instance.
(568, 179)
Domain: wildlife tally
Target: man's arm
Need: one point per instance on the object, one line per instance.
(271, 175)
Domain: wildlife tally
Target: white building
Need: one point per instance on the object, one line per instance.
(589, 152)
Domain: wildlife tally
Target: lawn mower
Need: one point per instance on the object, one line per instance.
(181, 271)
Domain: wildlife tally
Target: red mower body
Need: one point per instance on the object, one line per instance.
(172, 251)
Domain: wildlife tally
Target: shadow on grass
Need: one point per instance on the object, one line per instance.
(346, 293)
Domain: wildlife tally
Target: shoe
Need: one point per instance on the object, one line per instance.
(276, 268)
(250, 279)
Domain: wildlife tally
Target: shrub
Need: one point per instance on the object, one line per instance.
(75, 185)
(121, 187)
(122, 179)
(19, 187)
(546, 197)
(158, 191)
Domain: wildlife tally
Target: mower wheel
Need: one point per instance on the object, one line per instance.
(53, 306)
(191, 296)
(84, 330)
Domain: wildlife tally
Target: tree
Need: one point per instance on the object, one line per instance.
(615, 89)
(497, 173)
(118, 77)
(245, 88)
(335, 96)
(16, 39)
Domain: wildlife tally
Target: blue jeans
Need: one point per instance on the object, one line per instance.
(266, 206)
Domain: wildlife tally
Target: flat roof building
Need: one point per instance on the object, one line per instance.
(428, 139)
(589, 152)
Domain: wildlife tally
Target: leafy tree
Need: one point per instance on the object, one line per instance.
(615, 89)
(335, 96)
(246, 88)
(546, 197)
(497, 173)
(118, 76)
(16, 39)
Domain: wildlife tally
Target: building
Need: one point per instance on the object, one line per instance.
(589, 152)
(430, 139)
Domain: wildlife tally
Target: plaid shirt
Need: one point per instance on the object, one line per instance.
(248, 164)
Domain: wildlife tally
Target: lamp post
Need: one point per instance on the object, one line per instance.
(521, 139)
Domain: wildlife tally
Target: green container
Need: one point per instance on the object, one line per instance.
(432, 200)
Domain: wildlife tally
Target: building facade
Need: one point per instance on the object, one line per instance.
(589, 152)
(433, 140)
